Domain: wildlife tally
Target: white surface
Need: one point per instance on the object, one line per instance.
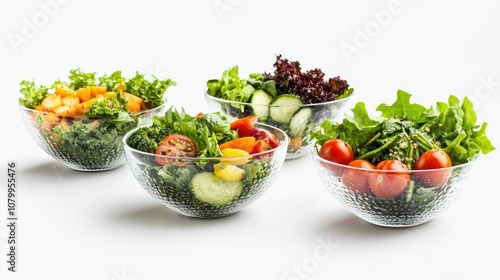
(75, 225)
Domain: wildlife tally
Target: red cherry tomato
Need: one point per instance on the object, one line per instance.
(357, 180)
(433, 159)
(337, 150)
(389, 184)
(265, 135)
(175, 145)
(244, 125)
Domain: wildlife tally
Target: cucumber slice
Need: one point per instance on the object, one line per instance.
(300, 122)
(209, 188)
(260, 99)
(283, 107)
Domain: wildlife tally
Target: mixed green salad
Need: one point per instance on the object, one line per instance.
(405, 136)
(280, 98)
(83, 118)
(203, 163)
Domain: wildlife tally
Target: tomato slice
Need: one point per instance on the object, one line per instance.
(175, 145)
(242, 143)
(244, 125)
(389, 184)
(265, 135)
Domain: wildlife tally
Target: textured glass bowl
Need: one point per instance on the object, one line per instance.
(83, 143)
(422, 205)
(171, 184)
(299, 145)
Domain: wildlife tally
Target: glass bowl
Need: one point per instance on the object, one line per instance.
(416, 205)
(190, 187)
(297, 127)
(84, 143)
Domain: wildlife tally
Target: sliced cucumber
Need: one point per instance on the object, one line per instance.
(288, 105)
(209, 188)
(300, 122)
(260, 99)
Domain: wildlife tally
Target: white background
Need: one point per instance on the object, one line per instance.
(75, 225)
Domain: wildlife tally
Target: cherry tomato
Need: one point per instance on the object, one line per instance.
(244, 125)
(265, 135)
(389, 184)
(357, 180)
(433, 159)
(175, 145)
(337, 150)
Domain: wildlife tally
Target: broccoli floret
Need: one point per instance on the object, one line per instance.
(147, 139)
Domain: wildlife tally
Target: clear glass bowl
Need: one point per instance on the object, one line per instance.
(299, 144)
(84, 143)
(190, 187)
(416, 205)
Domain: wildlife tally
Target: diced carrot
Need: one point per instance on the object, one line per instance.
(64, 91)
(70, 101)
(134, 103)
(52, 119)
(62, 110)
(96, 90)
(78, 109)
(83, 94)
(51, 102)
(86, 105)
(242, 143)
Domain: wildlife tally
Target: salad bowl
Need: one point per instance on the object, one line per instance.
(189, 177)
(417, 204)
(81, 122)
(290, 99)
(404, 167)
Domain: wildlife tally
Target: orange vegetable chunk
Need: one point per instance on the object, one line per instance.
(83, 94)
(96, 90)
(64, 91)
(51, 102)
(242, 143)
(70, 101)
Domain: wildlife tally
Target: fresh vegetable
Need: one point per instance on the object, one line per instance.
(337, 151)
(434, 159)
(357, 180)
(244, 125)
(281, 98)
(220, 170)
(407, 136)
(84, 118)
(175, 145)
(211, 189)
(389, 184)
